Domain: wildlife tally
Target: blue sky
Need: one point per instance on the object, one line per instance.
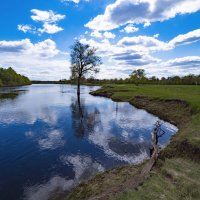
(160, 36)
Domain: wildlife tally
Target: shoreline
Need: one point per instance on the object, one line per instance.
(164, 109)
(9, 86)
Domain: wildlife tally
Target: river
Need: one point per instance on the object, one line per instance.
(50, 141)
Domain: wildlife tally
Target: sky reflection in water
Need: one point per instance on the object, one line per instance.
(50, 141)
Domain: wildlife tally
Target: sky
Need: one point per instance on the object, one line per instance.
(160, 36)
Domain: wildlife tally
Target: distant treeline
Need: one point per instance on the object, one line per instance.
(176, 80)
(8, 77)
(137, 77)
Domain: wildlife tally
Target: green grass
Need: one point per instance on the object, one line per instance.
(125, 92)
(177, 179)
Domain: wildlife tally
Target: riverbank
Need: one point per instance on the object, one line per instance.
(177, 172)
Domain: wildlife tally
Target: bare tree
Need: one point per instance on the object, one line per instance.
(83, 61)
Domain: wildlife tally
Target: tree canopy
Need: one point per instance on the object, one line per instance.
(8, 77)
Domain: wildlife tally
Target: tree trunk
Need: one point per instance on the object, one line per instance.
(78, 87)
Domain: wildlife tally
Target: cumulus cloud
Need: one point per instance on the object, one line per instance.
(187, 38)
(31, 59)
(48, 19)
(26, 28)
(136, 52)
(146, 42)
(96, 34)
(130, 29)
(186, 62)
(144, 12)
(46, 16)
(15, 46)
(109, 35)
(50, 28)
(153, 44)
(136, 59)
(46, 48)
(156, 35)
(178, 66)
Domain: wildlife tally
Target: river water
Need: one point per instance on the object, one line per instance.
(50, 140)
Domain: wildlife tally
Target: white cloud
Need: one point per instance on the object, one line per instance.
(185, 62)
(148, 43)
(179, 66)
(75, 1)
(15, 46)
(25, 28)
(144, 12)
(145, 43)
(46, 16)
(96, 34)
(41, 60)
(50, 28)
(156, 35)
(187, 38)
(129, 53)
(147, 24)
(49, 20)
(130, 29)
(109, 35)
(46, 48)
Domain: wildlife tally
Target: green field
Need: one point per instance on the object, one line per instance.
(177, 172)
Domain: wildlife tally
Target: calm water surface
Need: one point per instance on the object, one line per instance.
(50, 141)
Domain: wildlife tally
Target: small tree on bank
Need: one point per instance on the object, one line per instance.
(83, 61)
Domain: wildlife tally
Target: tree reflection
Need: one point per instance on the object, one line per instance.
(84, 118)
(9, 94)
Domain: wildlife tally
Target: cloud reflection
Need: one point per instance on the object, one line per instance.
(46, 190)
(51, 140)
(83, 166)
(54, 140)
(57, 186)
